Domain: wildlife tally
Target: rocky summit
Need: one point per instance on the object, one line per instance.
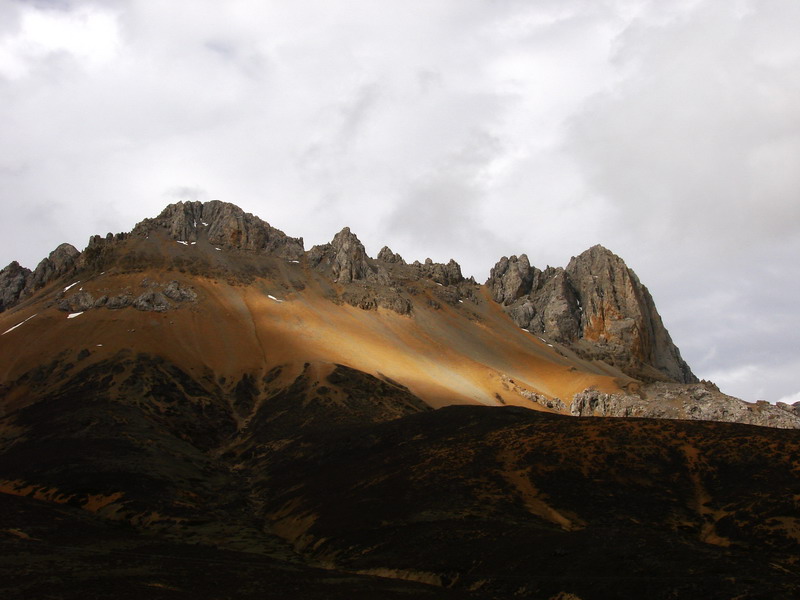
(202, 408)
(597, 307)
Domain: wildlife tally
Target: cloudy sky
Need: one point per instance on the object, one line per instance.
(667, 131)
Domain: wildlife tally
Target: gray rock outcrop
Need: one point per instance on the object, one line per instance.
(156, 297)
(78, 302)
(386, 255)
(224, 225)
(700, 401)
(444, 274)
(60, 262)
(597, 307)
(18, 283)
(152, 301)
(791, 408)
(12, 282)
(345, 259)
(511, 279)
(119, 301)
(180, 293)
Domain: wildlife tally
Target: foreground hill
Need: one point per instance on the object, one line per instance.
(204, 409)
(146, 495)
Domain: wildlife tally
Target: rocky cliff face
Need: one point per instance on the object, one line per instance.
(224, 225)
(596, 306)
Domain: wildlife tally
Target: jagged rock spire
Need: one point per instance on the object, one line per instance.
(346, 259)
(597, 306)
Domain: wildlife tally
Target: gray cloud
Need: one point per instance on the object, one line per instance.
(669, 132)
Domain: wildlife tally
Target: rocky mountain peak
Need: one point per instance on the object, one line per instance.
(12, 283)
(224, 225)
(18, 283)
(597, 306)
(345, 259)
(618, 311)
(386, 255)
(349, 257)
(511, 278)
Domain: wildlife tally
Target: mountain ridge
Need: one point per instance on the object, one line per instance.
(227, 227)
(594, 316)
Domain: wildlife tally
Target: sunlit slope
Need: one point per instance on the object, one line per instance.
(469, 354)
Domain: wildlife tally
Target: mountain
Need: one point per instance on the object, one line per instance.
(203, 408)
(582, 340)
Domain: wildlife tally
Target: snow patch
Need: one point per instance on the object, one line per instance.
(217, 248)
(294, 261)
(203, 223)
(70, 285)
(99, 345)
(271, 297)
(18, 324)
(528, 330)
(461, 301)
(73, 315)
(182, 242)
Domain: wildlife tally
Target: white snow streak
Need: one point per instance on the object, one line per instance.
(18, 324)
(73, 315)
(70, 285)
(273, 298)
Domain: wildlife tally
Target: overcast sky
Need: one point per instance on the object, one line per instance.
(667, 131)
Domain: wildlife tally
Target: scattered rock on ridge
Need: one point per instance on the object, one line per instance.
(78, 302)
(152, 301)
(700, 401)
(179, 293)
(119, 301)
